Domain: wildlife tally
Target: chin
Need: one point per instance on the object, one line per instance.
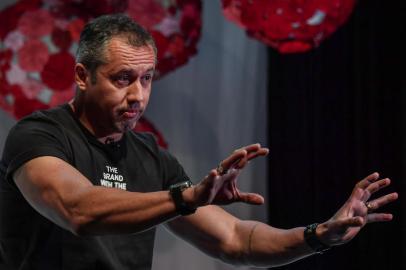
(127, 126)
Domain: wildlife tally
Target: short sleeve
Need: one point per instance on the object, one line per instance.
(33, 137)
(174, 172)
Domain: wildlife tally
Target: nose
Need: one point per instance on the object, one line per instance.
(135, 93)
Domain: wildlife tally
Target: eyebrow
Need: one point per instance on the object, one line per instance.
(151, 69)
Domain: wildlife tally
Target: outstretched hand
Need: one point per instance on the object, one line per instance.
(357, 211)
(220, 185)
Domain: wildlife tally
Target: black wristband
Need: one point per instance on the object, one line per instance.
(312, 240)
(176, 193)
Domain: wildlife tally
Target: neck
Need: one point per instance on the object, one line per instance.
(100, 133)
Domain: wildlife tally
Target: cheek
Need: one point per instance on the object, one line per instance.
(112, 99)
(147, 94)
(107, 94)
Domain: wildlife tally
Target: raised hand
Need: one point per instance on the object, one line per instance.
(220, 185)
(357, 211)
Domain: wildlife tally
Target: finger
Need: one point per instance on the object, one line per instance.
(241, 163)
(250, 156)
(381, 201)
(374, 187)
(233, 187)
(213, 173)
(251, 198)
(343, 224)
(364, 183)
(260, 152)
(252, 147)
(379, 217)
(359, 194)
(212, 179)
(234, 158)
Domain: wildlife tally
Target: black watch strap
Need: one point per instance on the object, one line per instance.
(176, 192)
(312, 240)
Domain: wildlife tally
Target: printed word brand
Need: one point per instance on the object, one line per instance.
(113, 179)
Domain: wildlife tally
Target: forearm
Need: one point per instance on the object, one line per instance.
(101, 210)
(66, 197)
(225, 237)
(265, 246)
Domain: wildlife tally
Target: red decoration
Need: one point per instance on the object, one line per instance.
(146, 12)
(24, 105)
(36, 23)
(33, 55)
(75, 27)
(10, 15)
(62, 38)
(58, 72)
(290, 26)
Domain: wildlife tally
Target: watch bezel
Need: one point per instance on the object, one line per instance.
(176, 191)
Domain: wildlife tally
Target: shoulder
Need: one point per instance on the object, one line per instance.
(40, 125)
(39, 134)
(148, 142)
(145, 139)
(51, 117)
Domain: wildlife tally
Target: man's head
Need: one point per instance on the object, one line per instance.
(115, 65)
(97, 34)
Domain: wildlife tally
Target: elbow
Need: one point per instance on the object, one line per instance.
(233, 253)
(80, 223)
(80, 226)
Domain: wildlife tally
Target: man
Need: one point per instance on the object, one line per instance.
(80, 190)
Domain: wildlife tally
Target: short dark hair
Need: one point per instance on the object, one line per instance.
(97, 33)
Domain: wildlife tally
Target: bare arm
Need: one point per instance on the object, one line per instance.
(248, 242)
(235, 241)
(62, 194)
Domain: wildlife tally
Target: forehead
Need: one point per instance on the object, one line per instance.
(121, 55)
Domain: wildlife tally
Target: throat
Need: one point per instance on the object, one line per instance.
(111, 139)
(89, 120)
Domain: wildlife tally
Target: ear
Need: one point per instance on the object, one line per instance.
(82, 76)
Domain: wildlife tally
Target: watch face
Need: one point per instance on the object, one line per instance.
(182, 185)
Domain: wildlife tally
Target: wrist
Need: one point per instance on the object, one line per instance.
(181, 197)
(189, 197)
(313, 235)
(321, 231)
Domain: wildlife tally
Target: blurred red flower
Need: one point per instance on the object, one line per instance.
(58, 72)
(61, 38)
(33, 55)
(36, 23)
(289, 25)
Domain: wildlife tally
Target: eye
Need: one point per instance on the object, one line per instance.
(122, 79)
(147, 77)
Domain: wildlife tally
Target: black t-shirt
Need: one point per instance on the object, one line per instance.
(135, 163)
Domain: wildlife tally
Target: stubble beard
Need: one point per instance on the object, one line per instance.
(128, 125)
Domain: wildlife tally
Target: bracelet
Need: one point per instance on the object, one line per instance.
(312, 240)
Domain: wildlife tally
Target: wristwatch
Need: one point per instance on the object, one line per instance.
(312, 240)
(176, 192)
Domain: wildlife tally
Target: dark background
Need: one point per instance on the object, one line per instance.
(336, 114)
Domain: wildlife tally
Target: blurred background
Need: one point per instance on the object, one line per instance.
(321, 83)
